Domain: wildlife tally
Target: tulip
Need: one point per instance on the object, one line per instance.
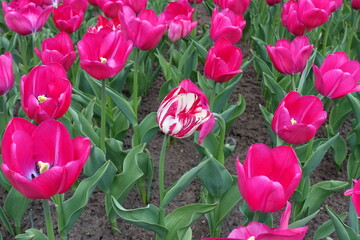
(355, 4)
(355, 195)
(6, 73)
(226, 24)
(105, 25)
(67, 19)
(178, 16)
(337, 4)
(41, 161)
(57, 50)
(337, 76)
(290, 57)
(45, 92)
(274, 173)
(260, 231)
(24, 17)
(184, 110)
(145, 30)
(223, 61)
(272, 2)
(297, 119)
(77, 4)
(290, 20)
(313, 13)
(237, 6)
(93, 2)
(110, 8)
(104, 55)
(136, 5)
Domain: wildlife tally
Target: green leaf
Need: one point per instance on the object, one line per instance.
(234, 111)
(222, 98)
(178, 221)
(339, 113)
(355, 105)
(260, 65)
(327, 228)
(343, 231)
(148, 127)
(165, 66)
(276, 90)
(5, 222)
(304, 221)
(147, 217)
(31, 234)
(115, 152)
(15, 206)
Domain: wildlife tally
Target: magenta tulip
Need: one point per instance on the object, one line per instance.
(104, 55)
(136, 5)
(111, 8)
(178, 16)
(41, 161)
(226, 24)
(58, 49)
(67, 19)
(337, 4)
(223, 61)
(184, 110)
(274, 173)
(260, 231)
(145, 30)
(237, 6)
(272, 2)
(45, 92)
(290, 57)
(297, 119)
(355, 4)
(24, 17)
(355, 195)
(290, 20)
(77, 4)
(6, 73)
(313, 13)
(105, 25)
(337, 76)
(93, 2)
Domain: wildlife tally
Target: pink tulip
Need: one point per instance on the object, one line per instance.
(178, 16)
(290, 20)
(337, 4)
(105, 25)
(41, 161)
(290, 57)
(184, 110)
(45, 92)
(24, 17)
(274, 173)
(58, 49)
(77, 4)
(272, 2)
(104, 55)
(337, 76)
(260, 231)
(136, 5)
(111, 8)
(226, 24)
(313, 13)
(297, 119)
(67, 19)
(6, 73)
(223, 61)
(237, 6)
(355, 195)
(355, 4)
(93, 2)
(145, 30)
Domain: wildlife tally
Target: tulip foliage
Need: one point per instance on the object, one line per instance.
(73, 76)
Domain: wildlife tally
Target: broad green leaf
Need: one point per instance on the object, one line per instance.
(274, 88)
(187, 235)
(200, 49)
(31, 234)
(115, 152)
(260, 65)
(327, 228)
(343, 231)
(353, 164)
(15, 206)
(234, 111)
(355, 105)
(268, 118)
(5, 222)
(304, 221)
(339, 113)
(148, 127)
(304, 75)
(165, 66)
(222, 98)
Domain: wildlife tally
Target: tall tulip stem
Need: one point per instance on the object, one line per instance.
(327, 30)
(48, 220)
(355, 20)
(103, 115)
(293, 84)
(220, 152)
(4, 108)
(256, 216)
(59, 199)
(136, 140)
(162, 178)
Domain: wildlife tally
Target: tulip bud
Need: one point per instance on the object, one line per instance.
(313, 13)
(237, 6)
(272, 2)
(290, 20)
(6, 73)
(355, 4)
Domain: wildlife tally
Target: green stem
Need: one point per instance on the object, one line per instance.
(59, 199)
(355, 20)
(309, 149)
(256, 216)
(220, 152)
(33, 35)
(48, 220)
(4, 108)
(162, 180)
(326, 37)
(23, 44)
(103, 115)
(136, 137)
(293, 85)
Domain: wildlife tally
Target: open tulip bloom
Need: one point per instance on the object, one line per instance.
(41, 161)
(355, 195)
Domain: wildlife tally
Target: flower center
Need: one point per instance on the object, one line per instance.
(41, 98)
(251, 238)
(293, 121)
(43, 167)
(103, 60)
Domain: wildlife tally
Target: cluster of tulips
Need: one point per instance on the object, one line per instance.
(122, 44)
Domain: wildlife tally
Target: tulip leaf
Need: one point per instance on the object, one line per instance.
(353, 164)
(115, 152)
(305, 76)
(274, 88)
(15, 206)
(208, 146)
(5, 221)
(200, 49)
(178, 221)
(31, 234)
(73, 207)
(148, 127)
(339, 113)
(317, 156)
(268, 118)
(304, 221)
(260, 65)
(4, 182)
(343, 231)
(234, 111)
(222, 98)
(327, 228)
(355, 105)
(165, 66)
(147, 217)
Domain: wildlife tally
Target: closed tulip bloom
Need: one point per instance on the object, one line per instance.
(355, 4)
(24, 17)
(260, 231)
(67, 19)
(184, 110)
(313, 13)
(145, 30)
(337, 5)
(58, 49)
(297, 119)
(226, 24)
(223, 61)
(272, 2)
(355, 195)
(45, 92)
(136, 5)
(110, 8)
(41, 161)
(337, 76)
(237, 6)
(6, 73)
(290, 57)
(104, 56)
(290, 20)
(274, 173)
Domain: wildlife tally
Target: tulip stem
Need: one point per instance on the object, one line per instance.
(136, 140)
(222, 124)
(58, 200)
(293, 85)
(162, 179)
(48, 220)
(327, 29)
(103, 115)
(256, 216)
(355, 20)
(4, 108)
(309, 149)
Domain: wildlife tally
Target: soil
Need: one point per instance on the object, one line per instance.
(181, 157)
